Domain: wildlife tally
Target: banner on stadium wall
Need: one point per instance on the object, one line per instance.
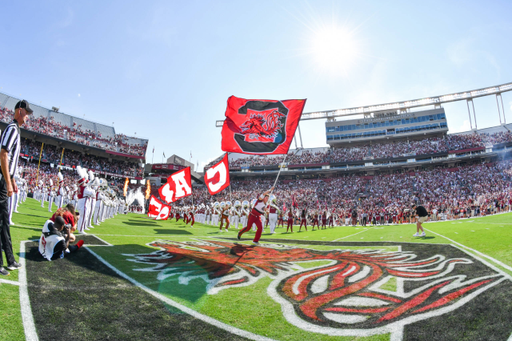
(260, 127)
(157, 209)
(216, 177)
(179, 185)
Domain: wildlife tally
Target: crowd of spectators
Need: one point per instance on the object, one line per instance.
(46, 172)
(52, 154)
(452, 192)
(49, 126)
(378, 150)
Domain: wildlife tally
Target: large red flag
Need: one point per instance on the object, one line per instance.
(216, 177)
(260, 126)
(158, 210)
(179, 185)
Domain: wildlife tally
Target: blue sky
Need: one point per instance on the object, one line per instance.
(164, 69)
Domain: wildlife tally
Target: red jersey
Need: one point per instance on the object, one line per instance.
(67, 216)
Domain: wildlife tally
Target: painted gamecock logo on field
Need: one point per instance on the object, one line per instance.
(264, 128)
(351, 292)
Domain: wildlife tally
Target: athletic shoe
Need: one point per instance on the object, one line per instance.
(226, 230)
(221, 230)
(87, 228)
(11, 223)
(416, 234)
(422, 234)
(239, 236)
(14, 266)
(255, 243)
(4, 272)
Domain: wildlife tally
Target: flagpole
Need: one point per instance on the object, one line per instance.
(280, 168)
(230, 197)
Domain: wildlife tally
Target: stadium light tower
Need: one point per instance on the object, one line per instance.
(404, 106)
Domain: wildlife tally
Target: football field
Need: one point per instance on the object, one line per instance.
(141, 279)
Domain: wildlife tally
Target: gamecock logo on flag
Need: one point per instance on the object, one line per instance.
(216, 177)
(158, 210)
(260, 126)
(353, 292)
(179, 185)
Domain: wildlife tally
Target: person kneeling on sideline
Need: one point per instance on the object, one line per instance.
(54, 241)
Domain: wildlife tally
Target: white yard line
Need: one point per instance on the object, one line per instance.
(26, 310)
(108, 244)
(181, 307)
(6, 281)
(335, 240)
(509, 268)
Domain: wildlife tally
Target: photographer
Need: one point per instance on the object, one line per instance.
(54, 241)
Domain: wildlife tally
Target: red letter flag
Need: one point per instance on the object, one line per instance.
(216, 177)
(158, 210)
(260, 126)
(179, 185)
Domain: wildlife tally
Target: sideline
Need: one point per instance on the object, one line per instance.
(26, 310)
(335, 240)
(181, 307)
(509, 268)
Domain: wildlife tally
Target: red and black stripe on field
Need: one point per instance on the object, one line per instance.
(79, 298)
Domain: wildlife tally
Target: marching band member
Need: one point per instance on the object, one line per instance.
(273, 211)
(225, 215)
(235, 217)
(215, 213)
(244, 213)
(51, 195)
(61, 191)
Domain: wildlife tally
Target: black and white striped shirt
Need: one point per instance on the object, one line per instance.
(10, 141)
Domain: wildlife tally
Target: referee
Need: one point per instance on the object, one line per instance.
(9, 154)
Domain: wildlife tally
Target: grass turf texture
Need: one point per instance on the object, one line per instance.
(248, 308)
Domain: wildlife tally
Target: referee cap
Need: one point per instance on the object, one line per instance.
(24, 105)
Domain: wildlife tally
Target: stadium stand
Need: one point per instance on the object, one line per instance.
(452, 175)
(73, 129)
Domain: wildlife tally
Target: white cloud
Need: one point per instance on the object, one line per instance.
(464, 127)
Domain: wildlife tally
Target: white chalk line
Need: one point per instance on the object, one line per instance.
(509, 268)
(26, 310)
(6, 281)
(181, 307)
(335, 240)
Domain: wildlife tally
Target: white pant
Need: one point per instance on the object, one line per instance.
(272, 221)
(84, 206)
(234, 220)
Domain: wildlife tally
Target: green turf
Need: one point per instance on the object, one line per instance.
(239, 307)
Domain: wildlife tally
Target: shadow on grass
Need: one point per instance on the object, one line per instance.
(169, 231)
(139, 223)
(83, 285)
(145, 219)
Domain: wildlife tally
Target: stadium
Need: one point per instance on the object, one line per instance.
(273, 238)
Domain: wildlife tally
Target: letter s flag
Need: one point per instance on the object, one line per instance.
(179, 185)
